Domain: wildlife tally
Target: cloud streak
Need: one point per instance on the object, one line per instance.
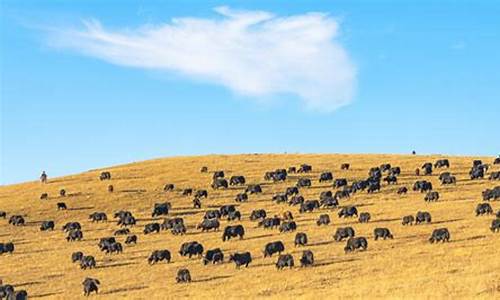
(253, 53)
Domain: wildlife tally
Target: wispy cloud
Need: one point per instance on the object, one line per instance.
(458, 45)
(254, 53)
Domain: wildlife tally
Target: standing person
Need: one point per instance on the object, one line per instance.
(43, 177)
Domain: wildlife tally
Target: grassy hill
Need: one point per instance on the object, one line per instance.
(406, 267)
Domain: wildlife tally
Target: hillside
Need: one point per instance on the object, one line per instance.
(407, 266)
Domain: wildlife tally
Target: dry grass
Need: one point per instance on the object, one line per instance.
(406, 267)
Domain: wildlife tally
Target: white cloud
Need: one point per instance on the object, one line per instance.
(254, 53)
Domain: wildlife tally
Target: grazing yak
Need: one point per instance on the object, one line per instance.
(253, 189)
(3, 214)
(123, 231)
(348, 211)
(191, 249)
(307, 258)
(329, 202)
(304, 168)
(258, 214)
(296, 200)
(408, 220)
(152, 227)
(276, 176)
(209, 224)
(218, 174)
(196, 203)
(303, 182)
(241, 197)
(431, 196)
(402, 190)
(427, 167)
(309, 206)
(61, 206)
(127, 220)
(105, 176)
(345, 166)
(183, 276)
(114, 248)
(292, 190)
(131, 239)
(169, 187)
(170, 223)
(373, 187)
(279, 198)
(70, 226)
(214, 256)
(273, 247)
(270, 222)
(441, 163)
(284, 260)
(494, 176)
(237, 180)
(447, 178)
(161, 209)
(395, 171)
(422, 186)
(159, 255)
(219, 183)
(234, 215)
(477, 172)
(440, 235)
(490, 194)
(391, 179)
(233, 231)
(326, 176)
(382, 233)
(76, 256)
(90, 285)
(288, 226)
(201, 194)
(7, 248)
(354, 243)
(187, 192)
(483, 209)
(241, 259)
(98, 217)
(323, 219)
(364, 217)
(87, 262)
(212, 214)
(47, 225)
(287, 215)
(385, 167)
(74, 235)
(495, 225)
(105, 243)
(339, 182)
(300, 239)
(342, 233)
(423, 217)
(225, 210)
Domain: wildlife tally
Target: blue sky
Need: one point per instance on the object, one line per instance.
(420, 75)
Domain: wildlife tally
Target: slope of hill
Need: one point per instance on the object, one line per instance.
(406, 266)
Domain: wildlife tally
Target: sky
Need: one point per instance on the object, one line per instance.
(90, 84)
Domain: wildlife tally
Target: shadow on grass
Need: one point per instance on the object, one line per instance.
(211, 278)
(125, 289)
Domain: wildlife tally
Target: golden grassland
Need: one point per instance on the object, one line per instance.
(406, 267)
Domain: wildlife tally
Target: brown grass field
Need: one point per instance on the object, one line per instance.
(406, 267)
